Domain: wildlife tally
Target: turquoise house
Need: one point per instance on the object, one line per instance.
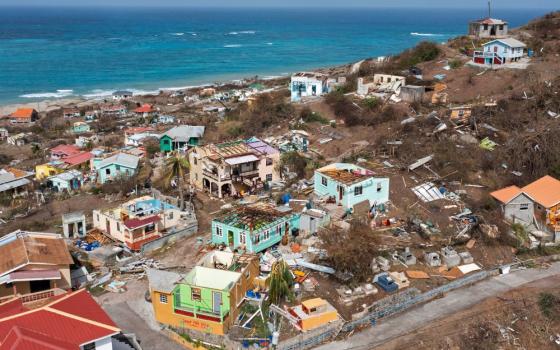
(116, 166)
(80, 128)
(349, 184)
(254, 228)
(180, 138)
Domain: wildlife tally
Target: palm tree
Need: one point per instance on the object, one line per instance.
(280, 282)
(176, 167)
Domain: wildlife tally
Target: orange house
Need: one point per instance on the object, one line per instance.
(314, 313)
(24, 115)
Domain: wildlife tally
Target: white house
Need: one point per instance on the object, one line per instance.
(122, 95)
(306, 84)
(500, 51)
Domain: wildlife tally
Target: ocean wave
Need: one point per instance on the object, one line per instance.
(425, 34)
(177, 34)
(98, 93)
(270, 43)
(233, 45)
(57, 94)
(242, 32)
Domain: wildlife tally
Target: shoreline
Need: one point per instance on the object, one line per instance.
(67, 98)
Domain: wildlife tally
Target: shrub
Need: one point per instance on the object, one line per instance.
(423, 52)
(549, 305)
(455, 63)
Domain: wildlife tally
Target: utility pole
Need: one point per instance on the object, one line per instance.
(489, 8)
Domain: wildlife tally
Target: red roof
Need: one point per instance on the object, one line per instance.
(139, 222)
(23, 113)
(79, 158)
(11, 307)
(66, 150)
(26, 339)
(66, 323)
(146, 108)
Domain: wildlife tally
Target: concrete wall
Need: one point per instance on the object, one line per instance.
(169, 238)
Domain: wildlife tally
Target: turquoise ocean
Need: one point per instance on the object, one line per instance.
(50, 53)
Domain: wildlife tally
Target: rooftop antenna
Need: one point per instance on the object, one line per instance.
(489, 8)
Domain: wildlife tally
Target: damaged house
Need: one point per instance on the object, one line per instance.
(233, 168)
(254, 228)
(381, 83)
(208, 298)
(535, 206)
(143, 220)
(32, 262)
(308, 84)
(348, 184)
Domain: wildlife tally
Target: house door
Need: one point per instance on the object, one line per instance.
(217, 302)
(340, 193)
(230, 237)
(39, 286)
(108, 227)
(495, 49)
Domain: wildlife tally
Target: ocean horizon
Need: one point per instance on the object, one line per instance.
(91, 52)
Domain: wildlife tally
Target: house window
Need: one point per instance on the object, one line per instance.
(98, 217)
(118, 226)
(196, 294)
(163, 298)
(279, 230)
(266, 235)
(170, 216)
(195, 161)
(268, 177)
(219, 232)
(166, 142)
(118, 167)
(268, 161)
(257, 239)
(324, 181)
(150, 228)
(379, 187)
(358, 190)
(524, 207)
(90, 346)
(108, 171)
(242, 238)
(486, 27)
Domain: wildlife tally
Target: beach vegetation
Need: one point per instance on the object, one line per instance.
(309, 116)
(423, 52)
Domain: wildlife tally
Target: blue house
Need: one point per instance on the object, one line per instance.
(254, 228)
(349, 184)
(500, 51)
(70, 180)
(116, 166)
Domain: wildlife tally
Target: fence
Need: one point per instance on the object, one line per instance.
(313, 338)
(412, 301)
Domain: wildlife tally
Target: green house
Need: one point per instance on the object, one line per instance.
(254, 228)
(180, 137)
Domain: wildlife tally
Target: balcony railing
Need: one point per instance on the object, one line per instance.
(33, 297)
(216, 176)
(197, 313)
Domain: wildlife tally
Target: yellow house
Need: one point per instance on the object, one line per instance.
(314, 313)
(43, 171)
(208, 298)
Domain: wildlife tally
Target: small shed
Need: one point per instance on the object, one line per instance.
(412, 93)
(74, 224)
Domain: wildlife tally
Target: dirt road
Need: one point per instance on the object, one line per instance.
(453, 302)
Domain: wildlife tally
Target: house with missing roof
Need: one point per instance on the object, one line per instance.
(32, 262)
(81, 128)
(15, 182)
(500, 51)
(254, 228)
(135, 136)
(208, 298)
(233, 168)
(308, 84)
(120, 165)
(71, 320)
(143, 220)
(180, 138)
(349, 184)
(313, 313)
(488, 28)
(536, 206)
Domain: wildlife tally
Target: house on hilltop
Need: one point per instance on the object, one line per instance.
(181, 137)
(24, 116)
(488, 28)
